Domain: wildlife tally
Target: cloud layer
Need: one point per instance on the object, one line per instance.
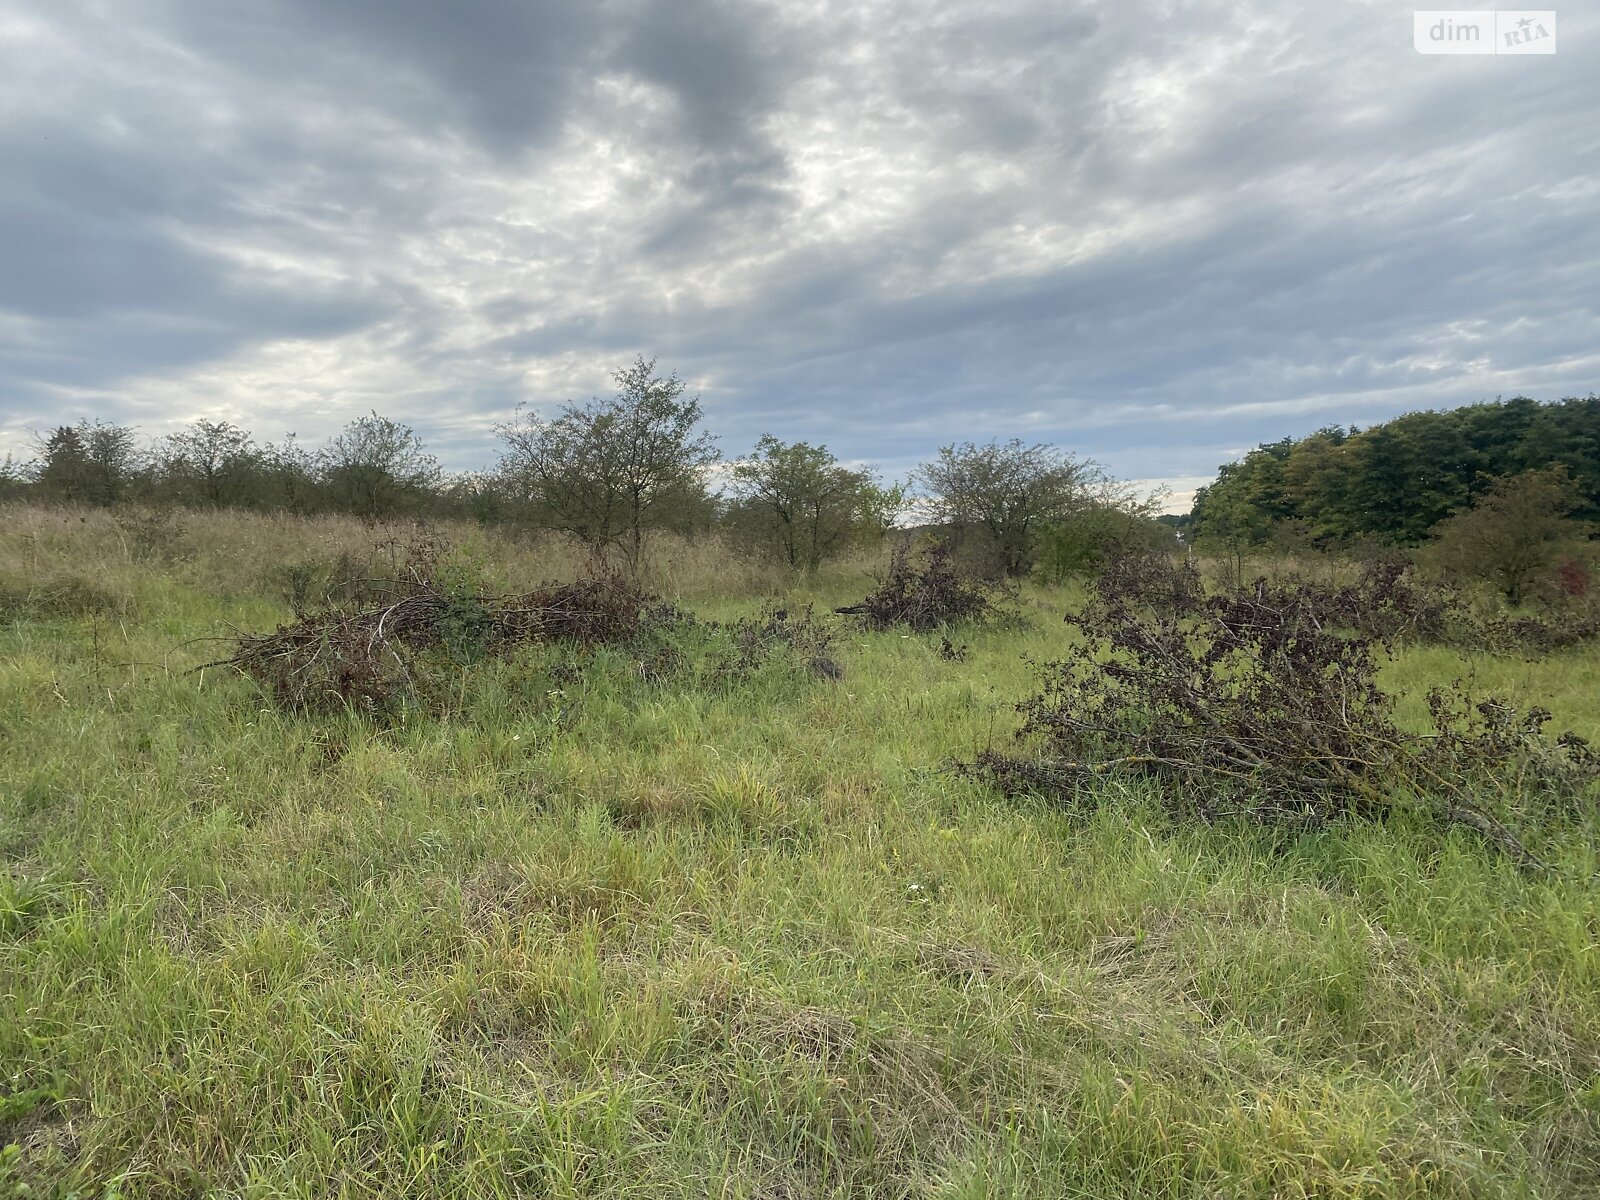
(1153, 233)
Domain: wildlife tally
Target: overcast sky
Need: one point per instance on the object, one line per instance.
(1154, 233)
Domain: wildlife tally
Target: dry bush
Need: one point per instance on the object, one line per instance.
(757, 640)
(435, 615)
(1263, 703)
(925, 594)
(1386, 599)
(370, 659)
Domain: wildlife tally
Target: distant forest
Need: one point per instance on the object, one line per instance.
(1395, 482)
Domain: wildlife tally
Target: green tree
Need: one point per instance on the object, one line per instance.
(1228, 522)
(608, 470)
(212, 464)
(1565, 434)
(884, 507)
(13, 480)
(1394, 481)
(1083, 543)
(1316, 478)
(88, 463)
(476, 495)
(1513, 533)
(289, 475)
(1236, 514)
(1409, 474)
(1001, 495)
(375, 467)
(800, 502)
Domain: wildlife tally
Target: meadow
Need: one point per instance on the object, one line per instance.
(579, 932)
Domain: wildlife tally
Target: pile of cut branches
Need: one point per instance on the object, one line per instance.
(1388, 601)
(369, 658)
(1262, 703)
(432, 621)
(925, 594)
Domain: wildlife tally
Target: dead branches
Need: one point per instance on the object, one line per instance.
(1263, 703)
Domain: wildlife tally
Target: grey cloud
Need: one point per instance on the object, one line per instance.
(1154, 233)
(509, 70)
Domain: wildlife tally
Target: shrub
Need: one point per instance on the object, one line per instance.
(757, 640)
(1572, 578)
(154, 535)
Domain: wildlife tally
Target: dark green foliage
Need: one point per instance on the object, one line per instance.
(799, 505)
(1095, 536)
(1515, 534)
(13, 479)
(87, 463)
(1396, 481)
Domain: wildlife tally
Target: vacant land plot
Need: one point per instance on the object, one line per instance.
(578, 926)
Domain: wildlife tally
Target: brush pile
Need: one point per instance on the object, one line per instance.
(433, 619)
(1388, 602)
(370, 658)
(1263, 703)
(926, 594)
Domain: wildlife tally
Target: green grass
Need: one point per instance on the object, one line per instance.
(609, 938)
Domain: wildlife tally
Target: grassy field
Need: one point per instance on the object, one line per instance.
(597, 936)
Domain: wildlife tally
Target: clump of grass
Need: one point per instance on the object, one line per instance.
(60, 594)
(309, 584)
(155, 535)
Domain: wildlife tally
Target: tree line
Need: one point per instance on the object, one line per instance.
(1396, 481)
(610, 471)
(1505, 492)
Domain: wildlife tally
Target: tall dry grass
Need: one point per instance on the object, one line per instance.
(231, 554)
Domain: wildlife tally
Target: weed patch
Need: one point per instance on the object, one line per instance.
(60, 596)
